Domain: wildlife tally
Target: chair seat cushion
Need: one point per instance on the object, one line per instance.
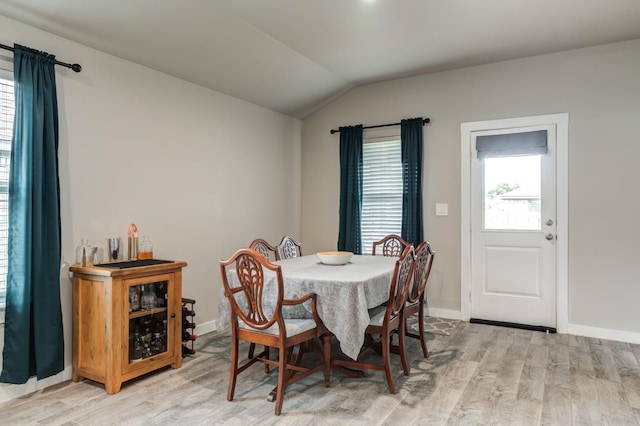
(293, 326)
(416, 303)
(376, 315)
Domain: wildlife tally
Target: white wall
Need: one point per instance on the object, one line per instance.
(199, 172)
(600, 89)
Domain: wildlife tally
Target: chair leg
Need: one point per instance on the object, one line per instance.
(326, 348)
(282, 377)
(402, 349)
(252, 348)
(386, 357)
(423, 342)
(266, 356)
(234, 368)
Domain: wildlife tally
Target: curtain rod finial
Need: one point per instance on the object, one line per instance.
(76, 67)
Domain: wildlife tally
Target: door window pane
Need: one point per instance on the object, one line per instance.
(512, 193)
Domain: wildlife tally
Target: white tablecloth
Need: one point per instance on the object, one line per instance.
(345, 293)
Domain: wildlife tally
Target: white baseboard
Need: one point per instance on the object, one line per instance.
(9, 391)
(443, 313)
(604, 333)
(206, 327)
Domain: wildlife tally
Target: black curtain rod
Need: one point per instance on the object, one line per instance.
(424, 121)
(75, 67)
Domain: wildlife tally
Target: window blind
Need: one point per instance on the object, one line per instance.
(526, 143)
(381, 191)
(7, 112)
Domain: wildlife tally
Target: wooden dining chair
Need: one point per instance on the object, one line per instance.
(415, 299)
(265, 249)
(390, 245)
(251, 323)
(388, 319)
(289, 248)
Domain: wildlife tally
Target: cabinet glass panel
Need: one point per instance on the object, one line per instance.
(147, 320)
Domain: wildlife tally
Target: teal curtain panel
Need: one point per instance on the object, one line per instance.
(411, 146)
(33, 340)
(349, 236)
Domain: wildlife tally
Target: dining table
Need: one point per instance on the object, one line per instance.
(345, 293)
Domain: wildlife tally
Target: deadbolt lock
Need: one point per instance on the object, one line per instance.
(549, 222)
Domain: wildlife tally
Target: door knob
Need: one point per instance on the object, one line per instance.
(549, 222)
(549, 237)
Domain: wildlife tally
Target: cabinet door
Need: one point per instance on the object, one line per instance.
(149, 327)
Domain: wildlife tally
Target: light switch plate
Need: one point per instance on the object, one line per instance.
(442, 209)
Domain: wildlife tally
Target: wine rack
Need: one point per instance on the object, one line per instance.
(188, 327)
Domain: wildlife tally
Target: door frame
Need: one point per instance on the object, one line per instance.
(561, 121)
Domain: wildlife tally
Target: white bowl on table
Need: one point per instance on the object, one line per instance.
(335, 257)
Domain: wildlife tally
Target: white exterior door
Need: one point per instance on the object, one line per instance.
(513, 232)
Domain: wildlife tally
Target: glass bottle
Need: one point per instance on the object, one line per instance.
(138, 346)
(145, 250)
(82, 248)
(161, 293)
(85, 254)
(187, 351)
(134, 299)
(148, 298)
(133, 242)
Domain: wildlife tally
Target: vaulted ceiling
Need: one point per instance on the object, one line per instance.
(293, 56)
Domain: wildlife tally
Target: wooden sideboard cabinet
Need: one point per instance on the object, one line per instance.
(127, 320)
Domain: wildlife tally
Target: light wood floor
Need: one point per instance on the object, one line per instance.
(478, 375)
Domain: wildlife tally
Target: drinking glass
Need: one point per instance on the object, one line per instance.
(114, 249)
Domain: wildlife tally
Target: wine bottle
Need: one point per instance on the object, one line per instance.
(188, 324)
(187, 351)
(188, 313)
(188, 337)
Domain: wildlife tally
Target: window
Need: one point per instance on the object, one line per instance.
(7, 112)
(381, 191)
(512, 194)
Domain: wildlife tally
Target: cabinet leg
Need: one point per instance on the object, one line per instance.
(113, 387)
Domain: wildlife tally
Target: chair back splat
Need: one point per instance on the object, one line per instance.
(415, 300)
(391, 245)
(424, 260)
(250, 273)
(289, 248)
(265, 249)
